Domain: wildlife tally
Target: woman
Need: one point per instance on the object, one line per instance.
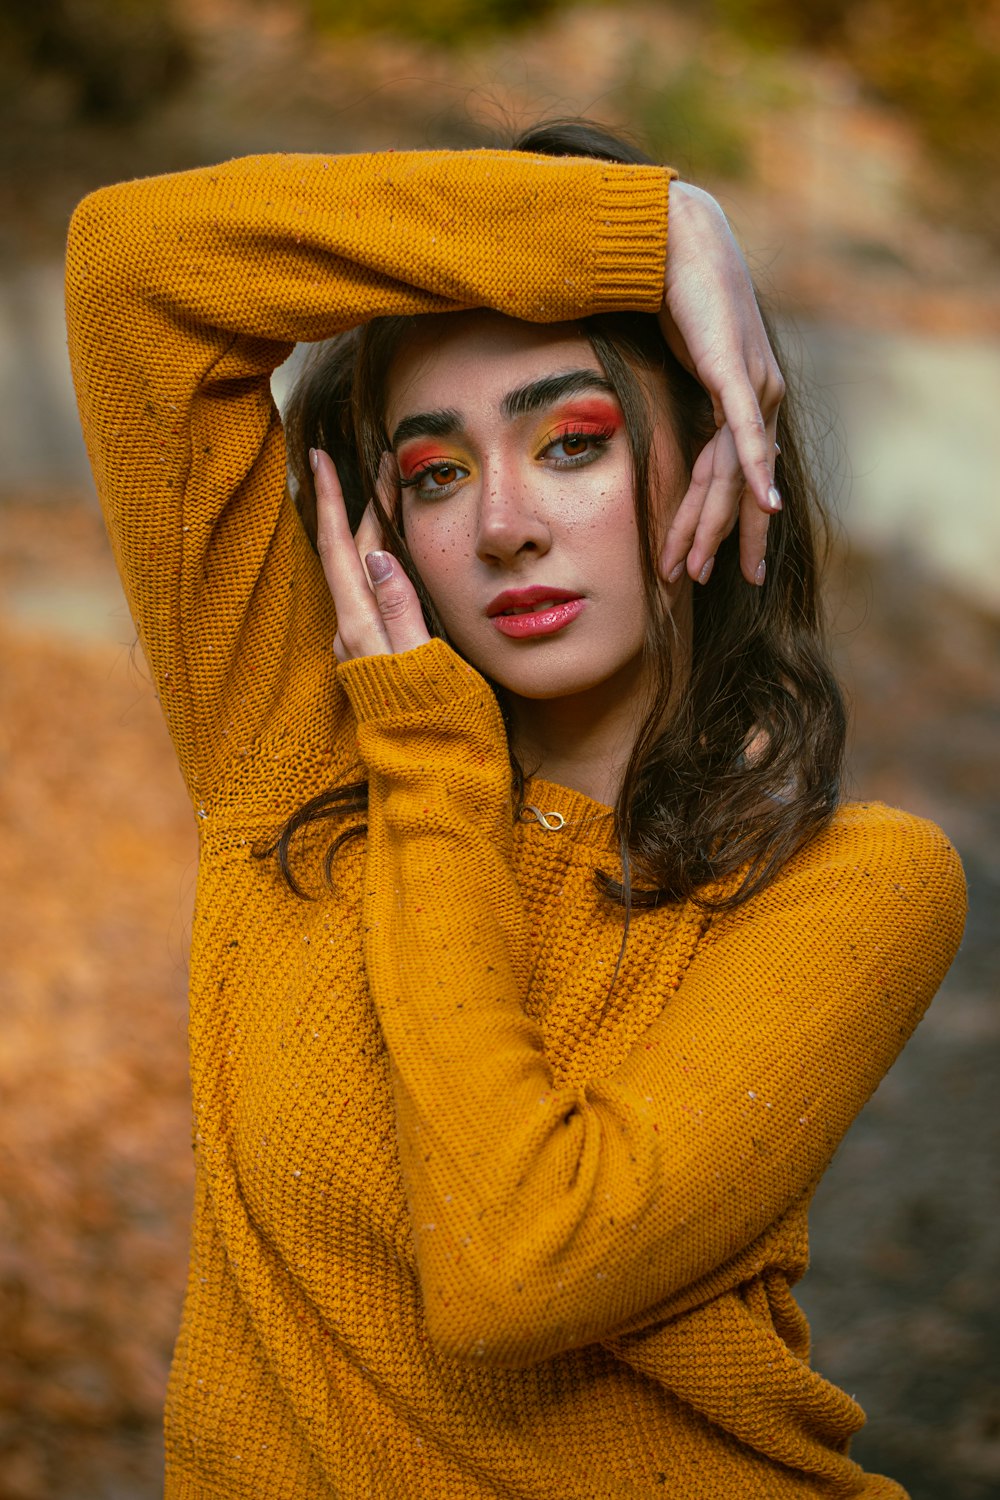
(505, 1138)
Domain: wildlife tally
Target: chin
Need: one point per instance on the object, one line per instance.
(544, 671)
(545, 687)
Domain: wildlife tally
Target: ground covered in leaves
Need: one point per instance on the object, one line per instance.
(96, 871)
(96, 878)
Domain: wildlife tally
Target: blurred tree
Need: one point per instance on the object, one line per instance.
(688, 115)
(445, 22)
(117, 57)
(937, 60)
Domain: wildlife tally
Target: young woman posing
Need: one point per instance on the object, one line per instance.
(506, 1133)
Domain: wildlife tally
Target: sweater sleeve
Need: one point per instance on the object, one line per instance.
(184, 292)
(548, 1217)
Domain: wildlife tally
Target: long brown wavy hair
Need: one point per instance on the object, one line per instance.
(736, 766)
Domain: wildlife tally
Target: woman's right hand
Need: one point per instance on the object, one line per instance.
(712, 323)
(378, 611)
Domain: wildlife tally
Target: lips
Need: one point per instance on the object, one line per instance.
(523, 614)
(528, 601)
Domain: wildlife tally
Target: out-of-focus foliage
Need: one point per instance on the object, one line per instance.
(778, 23)
(938, 60)
(688, 117)
(686, 113)
(115, 58)
(447, 22)
(95, 1157)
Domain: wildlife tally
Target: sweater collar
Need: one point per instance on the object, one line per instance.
(567, 814)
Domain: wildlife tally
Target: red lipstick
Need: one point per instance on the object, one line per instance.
(536, 611)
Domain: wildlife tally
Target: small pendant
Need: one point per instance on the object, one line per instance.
(551, 821)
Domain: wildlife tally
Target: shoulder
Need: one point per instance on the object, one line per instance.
(874, 879)
(885, 879)
(870, 842)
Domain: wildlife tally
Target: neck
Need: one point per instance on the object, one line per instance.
(583, 741)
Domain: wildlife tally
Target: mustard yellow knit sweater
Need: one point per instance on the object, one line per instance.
(458, 1234)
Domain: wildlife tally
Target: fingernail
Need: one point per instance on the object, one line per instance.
(706, 571)
(758, 577)
(313, 459)
(774, 498)
(675, 571)
(379, 565)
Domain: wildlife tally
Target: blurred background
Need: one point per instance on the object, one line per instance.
(855, 145)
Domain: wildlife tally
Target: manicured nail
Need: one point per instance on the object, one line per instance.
(379, 565)
(675, 571)
(774, 498)
(758, 577)
(313, 459)
(777, 447)
(706, 571)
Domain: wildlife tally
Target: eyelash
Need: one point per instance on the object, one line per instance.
(415, 480)
(598, 438)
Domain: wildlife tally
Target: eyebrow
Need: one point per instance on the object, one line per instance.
(553, 388)
(427, 424)
(517, 403)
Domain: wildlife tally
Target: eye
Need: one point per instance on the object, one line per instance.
(575, 443)
(434, 479)
(576, 446)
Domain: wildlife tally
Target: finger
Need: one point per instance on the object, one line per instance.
(684, 522)
(720, 505)
(750, 400)
(359, 621)
(397, 602)
(754, 524)
(753, 540)
(717, 479)
(371, 535)
(368, 537)
(712, 322)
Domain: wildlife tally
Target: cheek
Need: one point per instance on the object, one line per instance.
(607, 526)
(442, 550)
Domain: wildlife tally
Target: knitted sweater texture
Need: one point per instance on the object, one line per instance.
(469, 1222)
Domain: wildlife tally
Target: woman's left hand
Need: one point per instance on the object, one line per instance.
(378, 611)
(712, 323)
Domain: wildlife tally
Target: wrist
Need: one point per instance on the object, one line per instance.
(409, 684)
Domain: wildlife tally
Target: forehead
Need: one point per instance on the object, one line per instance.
(469, 360)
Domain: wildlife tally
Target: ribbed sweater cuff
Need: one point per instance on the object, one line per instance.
(632, 240)
(408, 683)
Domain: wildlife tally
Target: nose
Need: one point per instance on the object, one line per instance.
(512, 522)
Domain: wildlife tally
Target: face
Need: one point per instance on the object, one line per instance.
(517, 500)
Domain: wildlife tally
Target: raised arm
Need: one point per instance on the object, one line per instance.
(547, 1217)
(183, 294)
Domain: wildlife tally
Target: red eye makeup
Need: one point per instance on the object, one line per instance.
(589, 414)
(417, 459)
(582, 432)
